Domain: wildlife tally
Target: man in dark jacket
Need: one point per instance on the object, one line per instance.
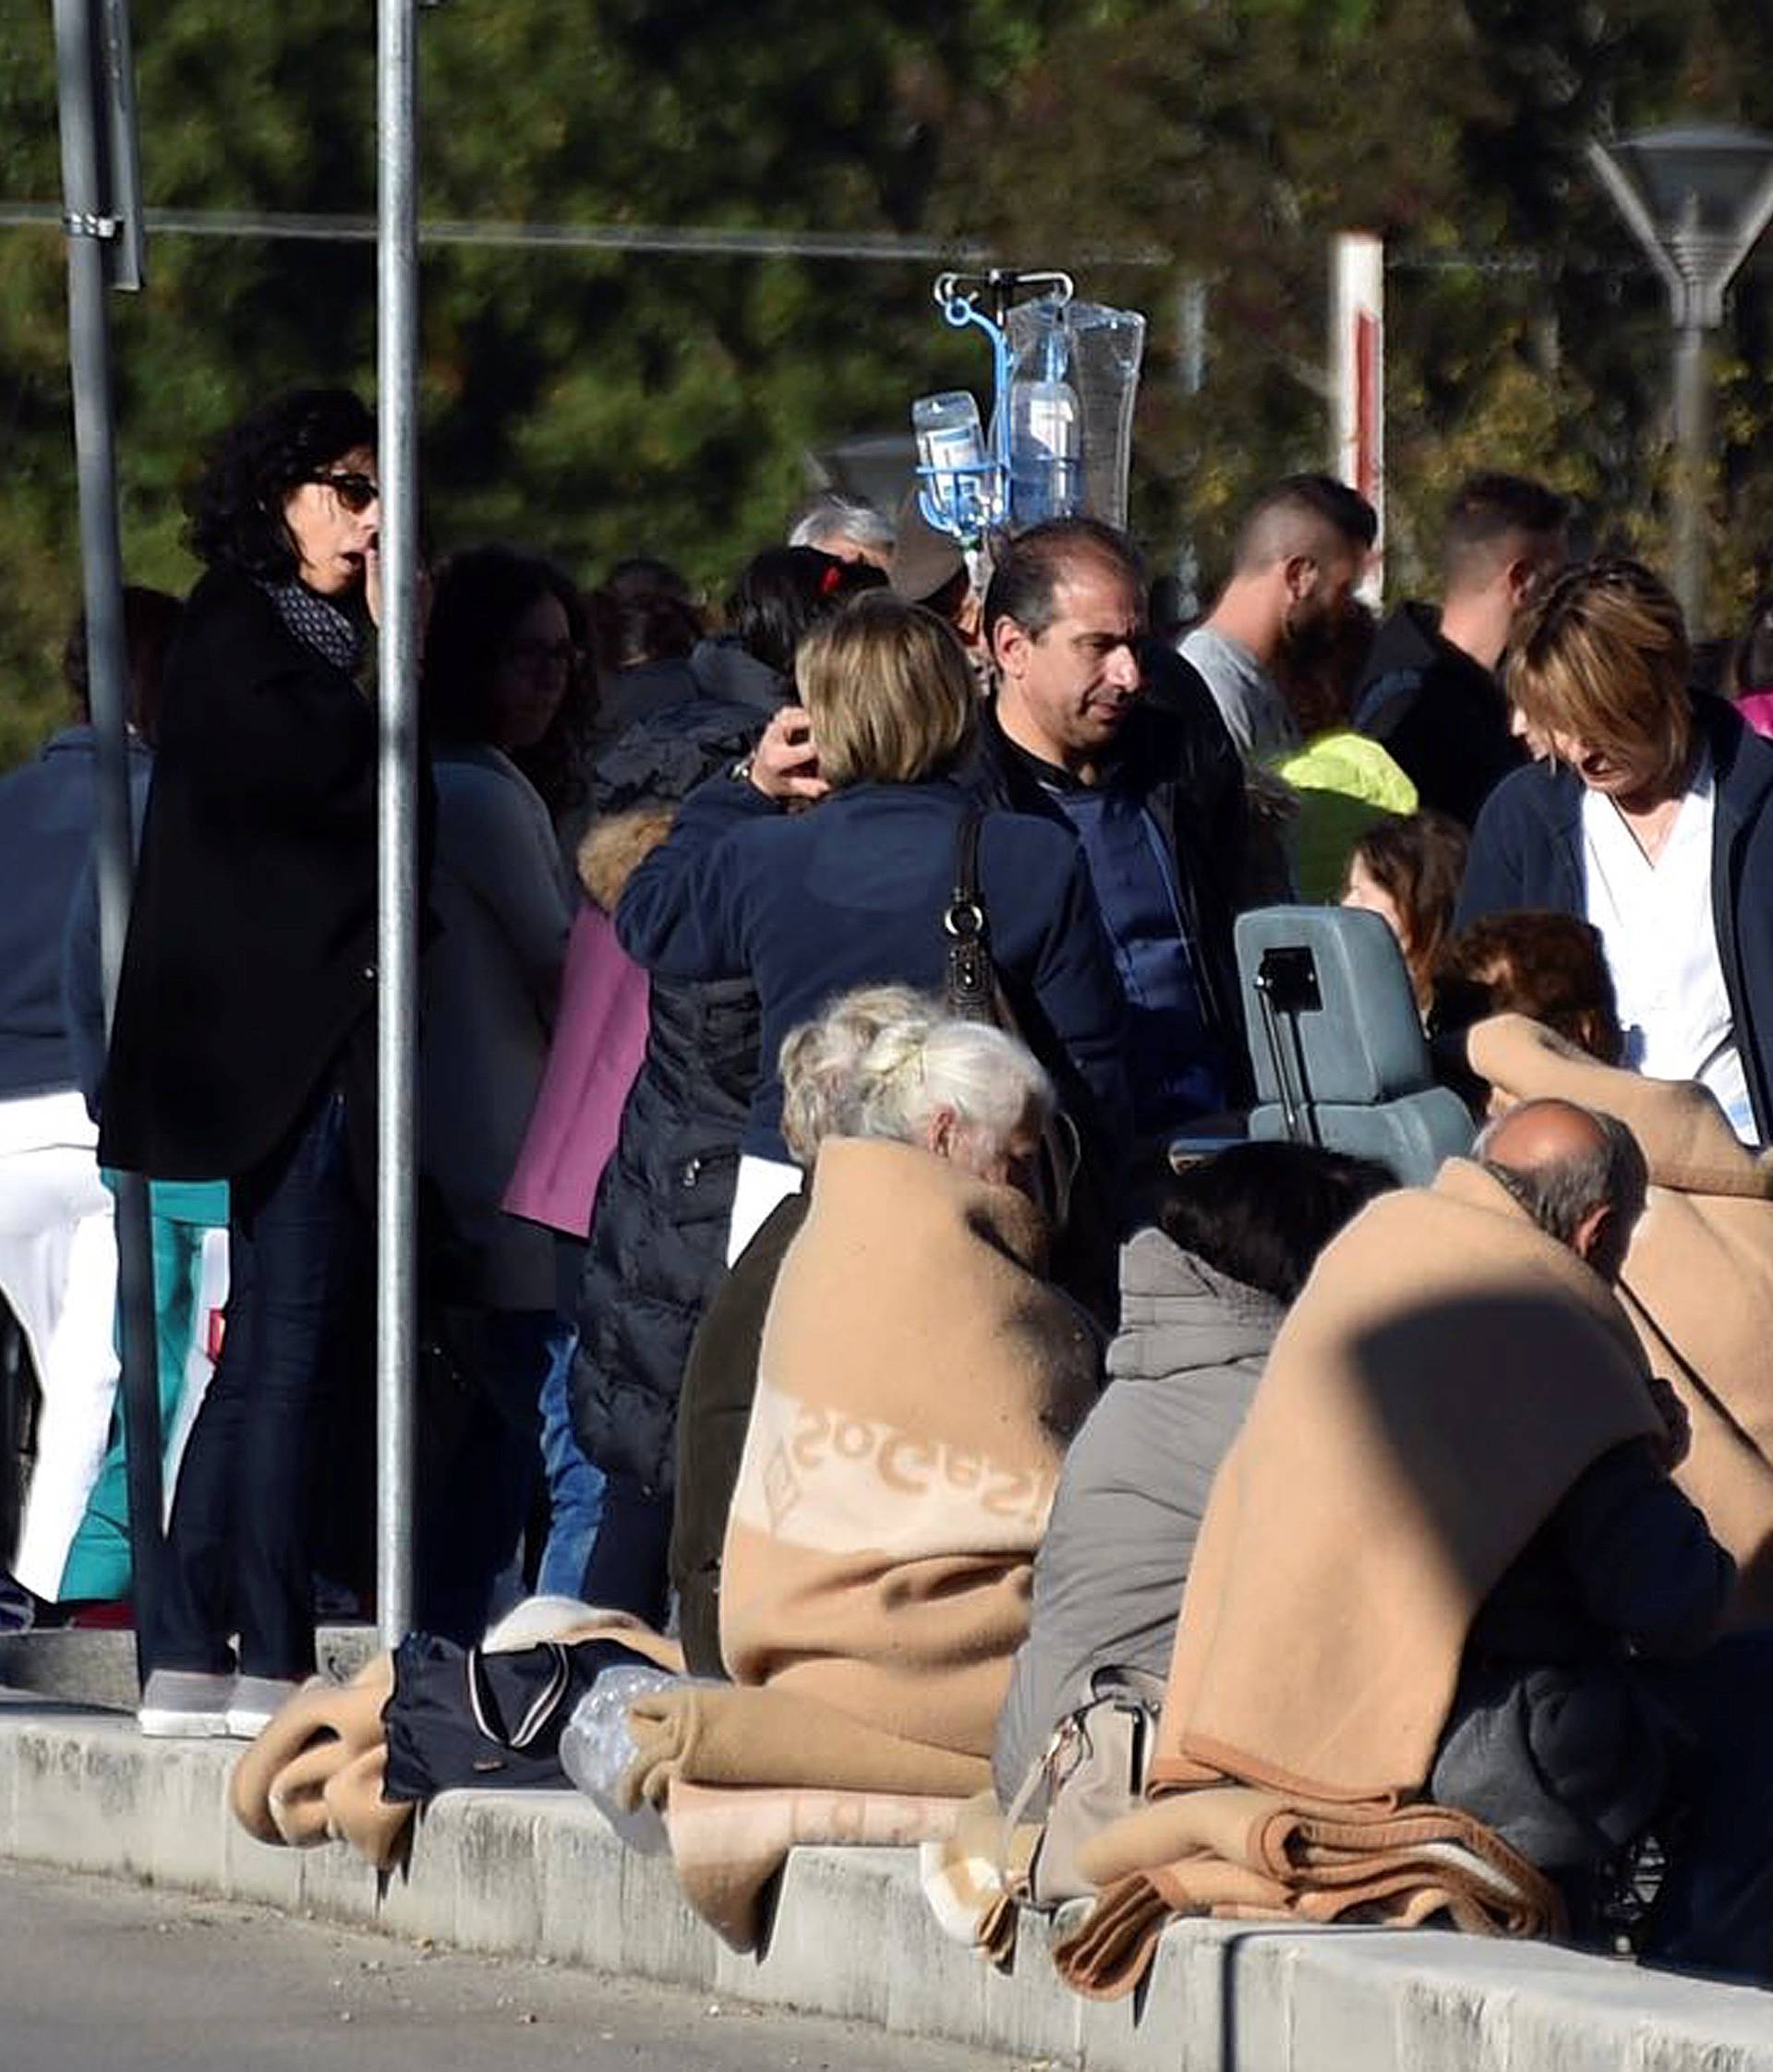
(1429, 692)
(1593, 1702)
(1093, 726)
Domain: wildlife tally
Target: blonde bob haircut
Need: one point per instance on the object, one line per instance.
(889, 694)
(1603, 657)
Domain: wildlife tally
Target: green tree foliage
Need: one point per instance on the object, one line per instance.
(599, 403)
(1524, 329)
(591, 404)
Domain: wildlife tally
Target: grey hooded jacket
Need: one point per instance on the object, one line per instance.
(1109, 1574)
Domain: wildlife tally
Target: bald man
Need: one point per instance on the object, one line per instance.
(1580, 1176)
(1302, 551)
(1594, 1703)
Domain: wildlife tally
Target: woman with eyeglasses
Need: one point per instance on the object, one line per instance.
(501, 658)
(242, 1045)
(1650, 819)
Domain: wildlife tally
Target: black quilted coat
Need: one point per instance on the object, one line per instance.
(659, 1230)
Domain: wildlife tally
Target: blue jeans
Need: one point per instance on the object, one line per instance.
(237, 1554)
(574, 1484)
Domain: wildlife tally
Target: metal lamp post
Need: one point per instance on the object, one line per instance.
(1698, 199)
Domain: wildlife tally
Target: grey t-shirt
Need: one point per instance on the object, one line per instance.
(1249, 701)
(1109, 1575)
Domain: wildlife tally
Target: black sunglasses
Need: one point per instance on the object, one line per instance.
(355, 492)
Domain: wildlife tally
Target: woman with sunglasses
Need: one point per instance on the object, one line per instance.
(242, 1042)
(1650, 819)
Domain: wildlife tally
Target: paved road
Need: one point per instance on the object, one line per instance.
(101, 1977)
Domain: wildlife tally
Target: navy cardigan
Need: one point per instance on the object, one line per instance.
(853, 892)
(1527, 852)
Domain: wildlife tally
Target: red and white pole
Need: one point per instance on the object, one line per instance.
(1357, 375)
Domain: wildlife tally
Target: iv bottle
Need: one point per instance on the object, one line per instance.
(952, 458)
(1046, 451)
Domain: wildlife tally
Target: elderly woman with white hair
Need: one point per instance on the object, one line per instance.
(917, 1380)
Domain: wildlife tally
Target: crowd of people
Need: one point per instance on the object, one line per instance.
(843, 1267)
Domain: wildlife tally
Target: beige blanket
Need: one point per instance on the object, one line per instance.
(728, 1845)
(917, 1385)
(1699, 1282)
(1444, 1377)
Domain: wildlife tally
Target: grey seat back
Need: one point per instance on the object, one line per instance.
(1336, 1043)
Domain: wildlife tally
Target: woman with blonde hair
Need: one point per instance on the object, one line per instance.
(854, 892)
(1649, 821)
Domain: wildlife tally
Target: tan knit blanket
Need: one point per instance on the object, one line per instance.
(917, 1385)
(1442, 1379)
(1698, 1282)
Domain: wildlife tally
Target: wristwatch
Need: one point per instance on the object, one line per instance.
(741, 771)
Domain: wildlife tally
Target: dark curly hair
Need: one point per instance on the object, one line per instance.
(236, 507)
(481, 594)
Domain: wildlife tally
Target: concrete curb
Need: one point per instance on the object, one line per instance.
(538, 1874)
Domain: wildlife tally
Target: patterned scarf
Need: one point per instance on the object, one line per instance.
(317, 623)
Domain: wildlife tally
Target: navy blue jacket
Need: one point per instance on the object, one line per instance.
(853, 892)
(47, 811)
(1527, 852)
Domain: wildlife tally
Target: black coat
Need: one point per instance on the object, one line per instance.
(1440, 715)
(1527, 852)
(1173, 751)
(720, 1383)
(1555, 1739)
(249, 965)
(658, 1227)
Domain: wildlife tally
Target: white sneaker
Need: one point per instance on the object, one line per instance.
(255, 1701)
(186, 1701)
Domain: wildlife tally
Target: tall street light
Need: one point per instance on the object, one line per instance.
(1698, 199)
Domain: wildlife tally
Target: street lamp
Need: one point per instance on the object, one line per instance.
(1698, 199)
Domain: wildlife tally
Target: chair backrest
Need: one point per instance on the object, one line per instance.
(1336, 1042)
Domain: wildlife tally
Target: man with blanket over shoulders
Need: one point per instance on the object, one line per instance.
(1697, 1281)
(1451, 1498)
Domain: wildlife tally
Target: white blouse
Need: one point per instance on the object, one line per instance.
(1657, 924)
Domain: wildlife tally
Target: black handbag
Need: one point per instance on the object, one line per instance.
(972, 990)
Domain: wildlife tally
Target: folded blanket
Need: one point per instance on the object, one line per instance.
(1698, 1280)
(1443, 1378)
(314, 1774)
(728, 1735)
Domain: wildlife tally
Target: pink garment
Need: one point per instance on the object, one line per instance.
(599, 1040)
(1756, 707)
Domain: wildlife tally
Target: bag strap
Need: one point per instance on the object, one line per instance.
(536, 1715)
(969, 982)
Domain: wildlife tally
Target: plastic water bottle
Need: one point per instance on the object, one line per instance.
(951, 449)
(1045, 450)
(596, 1750)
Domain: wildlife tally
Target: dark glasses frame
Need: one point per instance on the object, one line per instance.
(354, 489)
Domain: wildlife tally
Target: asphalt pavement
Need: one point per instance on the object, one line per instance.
(97, 1976)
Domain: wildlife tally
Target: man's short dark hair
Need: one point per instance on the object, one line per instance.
(1028, 569)
(1491, 508)
(1314, 499)
(1261, 1214)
